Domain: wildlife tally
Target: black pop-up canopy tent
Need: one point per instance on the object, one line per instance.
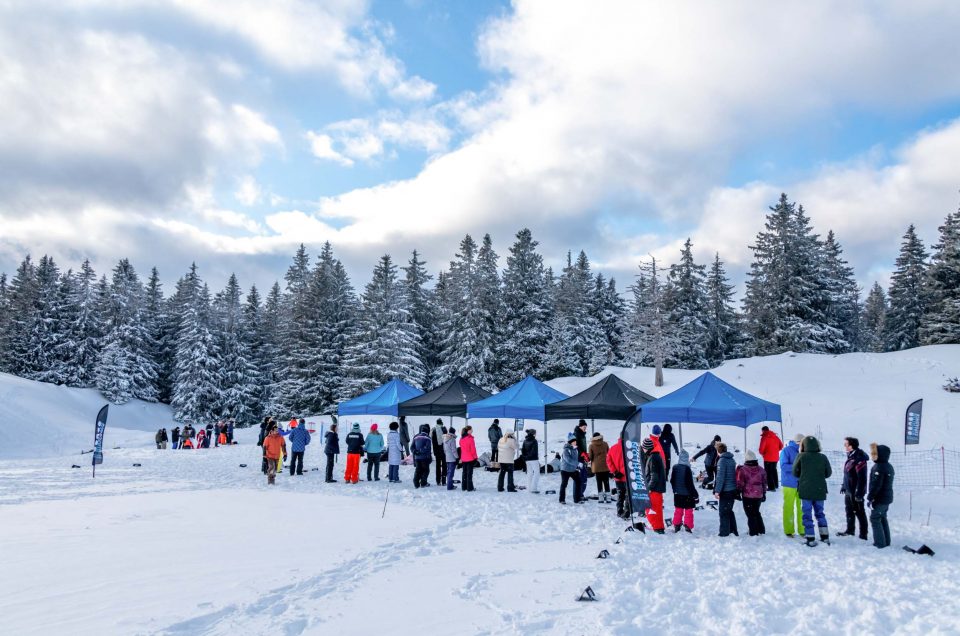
(447, 399)
(609, 399)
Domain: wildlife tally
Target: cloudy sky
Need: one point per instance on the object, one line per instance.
(227, 133)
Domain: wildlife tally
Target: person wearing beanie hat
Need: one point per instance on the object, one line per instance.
(355, 444)
(752, 483)
(436, 438)
(685, 497)
(792, 509)
(530, 454)
(494, 434)
(725, 490)
(421, 449)
(598, 464)
(769, 449)
(709, 462)
(667, 441)
(655, 474)
(569, 469)
(373, 447)
(657, 430)
(394, 453)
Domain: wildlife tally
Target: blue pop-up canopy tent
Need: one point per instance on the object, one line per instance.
(381, 401)
(710, 400)
(524, 400)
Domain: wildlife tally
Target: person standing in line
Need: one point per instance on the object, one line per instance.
(598, 463)
(685, 497)
(161, 439)
(468, 458)
(299, 439)
(373, 447)
(530, 454)
(812, 469)
(216, 435)
(264, 431)
(725, 489)
(752, 484)
(854, 488)
(331, 448)
(450, 455)
(404, 431)
(273, 447)
(175, 438)
(667, 441)
(230, 426)
(354, 442)
(770, 447)
(616, 467)
(709, 461)
(436, 438)
(880, 495)
(422, 452)
(655, 474)
(506, 453)
(792, 509)
(394, 453)
(569, 469)
(582, 454)
(494, 434)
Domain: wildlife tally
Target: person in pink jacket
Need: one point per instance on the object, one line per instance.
(752, 483)
(468, 455)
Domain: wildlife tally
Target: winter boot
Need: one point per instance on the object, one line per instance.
(824, 536)
(688, 529)
(811, 542)
(845, 533)
(677, 528)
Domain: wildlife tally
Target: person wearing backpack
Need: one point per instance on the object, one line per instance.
(354, 442)
(880, 494)
(450, 455)
(812, 469)
(394, 453)
(422, 450)
(685, 497)
(373, 447)
(752, 484)
(299, 439)
(530, 454)
(494, 434)
(468, 457)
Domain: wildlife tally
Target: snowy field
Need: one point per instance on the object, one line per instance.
(191, 543)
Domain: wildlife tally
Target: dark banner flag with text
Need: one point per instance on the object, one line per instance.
(911, 433)
(631, 437)
(98, 437)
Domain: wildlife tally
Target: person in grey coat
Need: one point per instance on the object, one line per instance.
(570, 469)
(725, 489)
(394, 453)
(450, 455)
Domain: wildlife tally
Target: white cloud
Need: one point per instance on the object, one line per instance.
(321, 145)
(364, 140)
(248, 191)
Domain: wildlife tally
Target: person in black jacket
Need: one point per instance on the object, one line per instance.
(709, 462)
(264, 426)
(404, 431)
(655, 474)
(530, 454)
(436, 439)
(421, 449)
(668, 440)
(854, 487)
(685, 497)
(494, 434)
(880, 494)
(175, 438)
(331, 448)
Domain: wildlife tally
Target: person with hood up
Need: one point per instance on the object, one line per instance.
(617, 468)
(175, 438)
(597, 452)
(494, 434)
(685, 497)
(655, 474)
(404, 431)
(792, 509)
(709, 461)
(725, 489)
(421, 449)
(530, 454)
(812, 469)
(436, 438)
(752, 483)
(770, 447)
(667, 441)
(331, 448)
(468, 458)
(373, 447)
(450, 455)
(506, 453)
(394, 453)
(273, 447)
(854, 488)
(582, 449)
(299, 439)
(354, 442)
(880, 494)
(569, 469)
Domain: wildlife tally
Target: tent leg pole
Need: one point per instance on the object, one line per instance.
(680, 424)
(591, 427)
(781, 432)
(744, 442)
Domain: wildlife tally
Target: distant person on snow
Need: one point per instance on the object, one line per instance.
(667, 441)
(404, 431)
(770, 447)
(792, 508)
(580, 432)
(161, 439)
(597, 452)
(752, 484)
(436, 439)
(264, 431)
(331, 448)
(494, 434)
(394, 453)
(655, 474)
(175, 438)
(854, 488)
(421, 449)
(468, 458)
(685, 497)
(273, 446)
(709, 461)
(725, 489)
(569, 469)
(880, 494)
(530, 454)
(230, 426)
(354, 442)
(450, 455)
(506, 453)
(618, 470)
(299, 440)
(812, 469)
(373, 447)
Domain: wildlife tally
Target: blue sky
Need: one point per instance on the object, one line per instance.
(174, 131)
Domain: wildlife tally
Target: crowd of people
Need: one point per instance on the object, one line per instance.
(219, 434)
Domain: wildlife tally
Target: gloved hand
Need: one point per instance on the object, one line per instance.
(618, 476)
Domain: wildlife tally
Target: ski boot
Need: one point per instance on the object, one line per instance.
(825, 537)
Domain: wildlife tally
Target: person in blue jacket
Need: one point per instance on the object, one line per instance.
(570, 469)
(422, 450)
(395, 453)
(331, 448)
(792, 507)
(373, 446)
(299, 438)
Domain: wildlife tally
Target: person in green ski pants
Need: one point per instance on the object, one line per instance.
(792, 508)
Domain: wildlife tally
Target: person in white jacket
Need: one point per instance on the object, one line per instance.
(506, 453)
(530, 454)
(450, 455)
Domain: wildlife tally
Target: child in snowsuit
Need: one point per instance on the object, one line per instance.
(394, 453)
(880, 494)
(354, 442)
(685, 497)
(752, 483)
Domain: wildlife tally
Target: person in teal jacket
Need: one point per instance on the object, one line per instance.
(792, 507)
(373, 447)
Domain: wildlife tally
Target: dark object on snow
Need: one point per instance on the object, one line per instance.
(609, 399)
(74, 466)
(312, 470)
(85, 452)
(137, 465)
(603, 554)
(116, 448)
(587, 594)
(712, 504)
(924, 549)
(447, 399)
(549, 492)
(244, 466)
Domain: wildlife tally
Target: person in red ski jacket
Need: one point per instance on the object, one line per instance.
(618, 470)
(770, 447)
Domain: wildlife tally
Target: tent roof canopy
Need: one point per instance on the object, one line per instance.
(524, 400)
(450, 398)
(609, 399)
(381, 401)
(710, 400)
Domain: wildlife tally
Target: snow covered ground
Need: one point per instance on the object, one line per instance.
(191, 543)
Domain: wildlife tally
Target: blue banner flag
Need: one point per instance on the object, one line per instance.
(639, 495)
(98, 437)
(911, 433)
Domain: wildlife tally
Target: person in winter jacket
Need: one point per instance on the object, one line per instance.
(494, 434)
(655, 475)
(854, 488)
(404, 431)
(331, 448)
(770, 447)
(468, 458)
(812, 469)
(394, 453)
(709, 461)
(792, 509)
(161, 439)
(880, 494)
(450, 455)
(617, 468)
(752, 484)
(373, 447)
(667, 441)
(436, 438)
(583, 449)
(685, 497)
(273, 447)
(175, 438)
(354, 442)
(299, 439)
(230, 426)
(597, 451)
(506, 453)
(655, 433)
(264, 431)
(530, 454)
(421, 449)
(569, 469)
(725, 489)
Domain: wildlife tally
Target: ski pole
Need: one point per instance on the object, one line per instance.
(385, 499)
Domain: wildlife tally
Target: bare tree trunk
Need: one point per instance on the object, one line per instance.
(658, 374)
